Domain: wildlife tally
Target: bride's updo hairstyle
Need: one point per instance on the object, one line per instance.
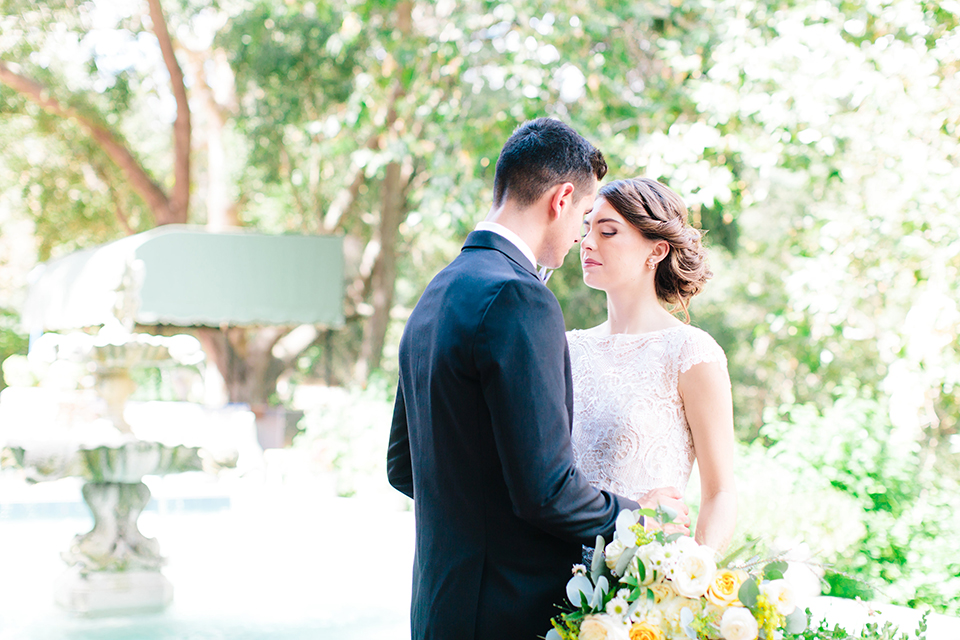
(659, 214)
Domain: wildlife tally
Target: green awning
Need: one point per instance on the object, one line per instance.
(184, 275)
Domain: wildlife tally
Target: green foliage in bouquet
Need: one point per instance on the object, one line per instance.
(647, 584)
(870, 631)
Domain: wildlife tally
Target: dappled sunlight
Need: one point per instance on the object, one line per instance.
(816, 144)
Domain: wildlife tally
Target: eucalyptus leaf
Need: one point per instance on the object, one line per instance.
(552, 635)
(775, 570)
(796, 621)
(668, 513)
(603, 584)
(579, 585)
(598, 548)
(624, 560)
(749, 591)
(686, 620)
(601, 590)
(673, 536)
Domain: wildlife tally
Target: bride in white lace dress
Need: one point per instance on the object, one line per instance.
(651, 393)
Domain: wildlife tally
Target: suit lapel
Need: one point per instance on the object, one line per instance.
(491, 240)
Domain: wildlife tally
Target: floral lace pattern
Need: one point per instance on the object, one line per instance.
(630, 433)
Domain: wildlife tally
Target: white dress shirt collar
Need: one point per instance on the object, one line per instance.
(516, 240)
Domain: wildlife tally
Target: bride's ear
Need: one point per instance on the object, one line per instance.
(660, 250)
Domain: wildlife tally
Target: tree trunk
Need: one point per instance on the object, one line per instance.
(180, 195)
(221, 213)
(245, 359)
(383, 279)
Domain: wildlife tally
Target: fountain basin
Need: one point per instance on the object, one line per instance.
(124, 463)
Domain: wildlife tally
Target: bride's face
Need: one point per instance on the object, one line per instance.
(613, 253)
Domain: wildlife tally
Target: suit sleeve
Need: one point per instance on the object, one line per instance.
(521, 354)
(399, 468)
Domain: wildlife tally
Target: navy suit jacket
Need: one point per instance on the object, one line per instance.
(481, 441)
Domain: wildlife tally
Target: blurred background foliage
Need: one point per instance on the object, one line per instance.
(816, 141)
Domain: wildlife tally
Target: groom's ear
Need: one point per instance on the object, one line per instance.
(561, 197)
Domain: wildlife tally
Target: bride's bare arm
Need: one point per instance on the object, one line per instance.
(707, 403)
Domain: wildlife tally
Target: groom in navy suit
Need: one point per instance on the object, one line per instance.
(481, 428)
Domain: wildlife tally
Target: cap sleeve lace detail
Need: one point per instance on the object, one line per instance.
(630, 433)
(699, 347)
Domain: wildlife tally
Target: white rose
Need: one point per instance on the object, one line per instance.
(685, 543)
(673, 611)
(603, 627)
(613, 552)
(693, 572)
(738, 624)
(781, 595)
(643, 557)
(676, 550)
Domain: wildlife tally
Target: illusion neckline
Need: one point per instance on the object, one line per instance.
(645, 334)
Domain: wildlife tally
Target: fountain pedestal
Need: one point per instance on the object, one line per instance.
(106, 592)
(126, 563)
(113, 567)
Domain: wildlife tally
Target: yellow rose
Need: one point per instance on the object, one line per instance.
(725, 587)
(645, 631)
(662, 592)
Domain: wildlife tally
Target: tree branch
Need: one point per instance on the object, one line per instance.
(180, 197)
(145, 187)
(348, 195)
(287, 170)
(122, 217)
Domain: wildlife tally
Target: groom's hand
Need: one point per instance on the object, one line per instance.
(671, 498)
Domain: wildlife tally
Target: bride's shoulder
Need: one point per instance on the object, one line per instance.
(696, 345)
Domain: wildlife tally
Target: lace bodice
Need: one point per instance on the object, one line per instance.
(630, 434)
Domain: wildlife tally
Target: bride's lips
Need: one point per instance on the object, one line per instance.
(590, 262)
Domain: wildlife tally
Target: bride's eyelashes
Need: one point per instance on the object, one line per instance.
(586, 229)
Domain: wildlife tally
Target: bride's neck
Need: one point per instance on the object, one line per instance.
(632, 313)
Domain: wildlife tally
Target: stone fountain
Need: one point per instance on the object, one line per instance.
(53, 432)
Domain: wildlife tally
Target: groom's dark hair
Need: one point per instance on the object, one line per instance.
(542, 153)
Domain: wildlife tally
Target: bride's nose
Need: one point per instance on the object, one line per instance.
(586, 241)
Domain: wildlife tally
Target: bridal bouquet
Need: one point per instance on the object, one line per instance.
(646, 585)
